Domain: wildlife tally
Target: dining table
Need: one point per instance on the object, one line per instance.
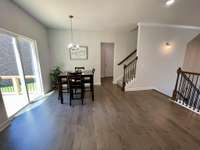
(88, 78)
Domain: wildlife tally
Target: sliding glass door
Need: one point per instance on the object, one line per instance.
(20, 80)
(12, 82)
(31, 69)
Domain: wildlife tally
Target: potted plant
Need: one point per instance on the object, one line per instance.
(54, 76)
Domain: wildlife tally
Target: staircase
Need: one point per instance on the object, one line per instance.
(187, 90)
(129, 69)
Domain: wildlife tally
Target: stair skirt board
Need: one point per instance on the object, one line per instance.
(120, 83)
(179, 102)
(117, 79)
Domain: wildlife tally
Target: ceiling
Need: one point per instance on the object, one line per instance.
(111, 14)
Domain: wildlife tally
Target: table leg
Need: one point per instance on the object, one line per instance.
(60, 91)
(92, 88)
(61, 97)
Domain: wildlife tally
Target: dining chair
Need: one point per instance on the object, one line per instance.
(76, 83)
(79, 69)
(63, 86)
(87, 80)
(89, 84)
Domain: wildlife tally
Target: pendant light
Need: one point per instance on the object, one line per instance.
(71, 45)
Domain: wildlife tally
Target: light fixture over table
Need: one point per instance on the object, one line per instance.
(72, 45)
(170, 2)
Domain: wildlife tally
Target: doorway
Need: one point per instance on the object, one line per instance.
(192, 55)
(107, 60)
(20, 79)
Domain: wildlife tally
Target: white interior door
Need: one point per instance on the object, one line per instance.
(107, 59)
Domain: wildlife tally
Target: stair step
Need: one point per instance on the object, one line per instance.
(120, 83)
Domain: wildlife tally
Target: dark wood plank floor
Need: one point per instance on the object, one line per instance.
(143, 120)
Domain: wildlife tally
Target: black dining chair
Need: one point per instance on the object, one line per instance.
(87, 80)
(79, 69)
(76, 83)
(63, 87)
(89, 84)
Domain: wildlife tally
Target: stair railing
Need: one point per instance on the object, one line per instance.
(187, 89)
(125, 59)
(129, 72)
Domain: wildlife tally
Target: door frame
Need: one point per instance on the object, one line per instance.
(101, 56)
(15, 38)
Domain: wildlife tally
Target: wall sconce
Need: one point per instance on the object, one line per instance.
(166, 48)
(168, 45)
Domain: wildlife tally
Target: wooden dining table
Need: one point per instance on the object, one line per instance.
(88, 78)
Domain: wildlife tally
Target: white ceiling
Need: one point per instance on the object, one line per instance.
(111, 14)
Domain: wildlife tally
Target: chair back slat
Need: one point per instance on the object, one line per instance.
(79, 69)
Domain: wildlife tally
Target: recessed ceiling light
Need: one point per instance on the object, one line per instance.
(170, 2)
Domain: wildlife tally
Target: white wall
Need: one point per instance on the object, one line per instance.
(59, 39)
(157, 65)
(16, 20)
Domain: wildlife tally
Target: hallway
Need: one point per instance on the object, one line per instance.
(143, 120)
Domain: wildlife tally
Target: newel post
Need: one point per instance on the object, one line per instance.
(124, 79)
(176, 85)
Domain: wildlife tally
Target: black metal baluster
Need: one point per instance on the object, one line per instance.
(128, 74)
(198, 100)
(135, 69)
(180, 84)
(194, 92)
(186, 92)
(183, 89)
(191, 88)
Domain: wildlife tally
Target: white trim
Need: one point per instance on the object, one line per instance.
(38, 67)
(184, 106)
(31, 102)
(20, 67)
(168, 25)
(139, 89)
(158, 90)
(97, 83)
(14, 115)
(117, 79)
(138, 39)
(4, 125)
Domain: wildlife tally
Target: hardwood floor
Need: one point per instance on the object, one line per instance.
(143, 120)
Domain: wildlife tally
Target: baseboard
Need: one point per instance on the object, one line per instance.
(4, 125)
(139, 89)
(162, 93)
(114, 82)
(97, 83)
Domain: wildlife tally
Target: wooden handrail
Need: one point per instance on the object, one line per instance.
(187, 89)
(188, 72)
(129, 72)
(136, 58)
(179, 71)
(121, 62)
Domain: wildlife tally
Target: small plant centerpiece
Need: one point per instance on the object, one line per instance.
(55, 72)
